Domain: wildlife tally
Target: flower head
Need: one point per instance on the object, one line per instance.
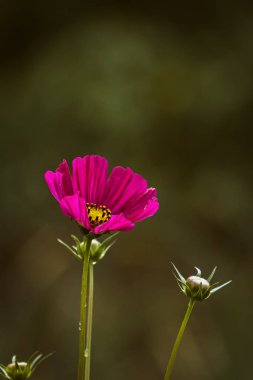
(22, 370)
(196, 287)
(100, 203)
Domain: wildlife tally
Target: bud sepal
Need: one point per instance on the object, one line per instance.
(196, 287)
(97, 249)
(17, 370)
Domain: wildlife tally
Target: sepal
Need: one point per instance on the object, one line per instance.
(196, 287)
(72, 249)
(97, 249)
(22, 370)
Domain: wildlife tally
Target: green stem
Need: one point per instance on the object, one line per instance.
(178, 339)
(89, 322)
(83, 312)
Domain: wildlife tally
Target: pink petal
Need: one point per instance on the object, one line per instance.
(144, 207)
(89, 177)
(115, 223)
(66, 178)
(54, 181)
(123, 186)
(59, 182)
(74, 207)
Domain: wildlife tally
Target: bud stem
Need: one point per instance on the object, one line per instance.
(178, 339)
(84, 348)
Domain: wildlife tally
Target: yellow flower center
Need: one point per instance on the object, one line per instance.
(97, 215)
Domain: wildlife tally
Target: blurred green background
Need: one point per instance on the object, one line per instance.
(167, 90)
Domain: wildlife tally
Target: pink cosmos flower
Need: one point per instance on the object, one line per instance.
(100, 203)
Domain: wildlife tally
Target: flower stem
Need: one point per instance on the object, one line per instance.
(89, 322)
(178, 339)
(83, 313)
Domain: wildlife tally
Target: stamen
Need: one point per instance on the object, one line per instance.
(97, 215)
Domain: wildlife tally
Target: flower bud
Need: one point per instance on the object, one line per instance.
(196, 287)
(22, 370)
(19, 370)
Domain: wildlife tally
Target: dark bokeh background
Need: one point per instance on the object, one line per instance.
(166, 90)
